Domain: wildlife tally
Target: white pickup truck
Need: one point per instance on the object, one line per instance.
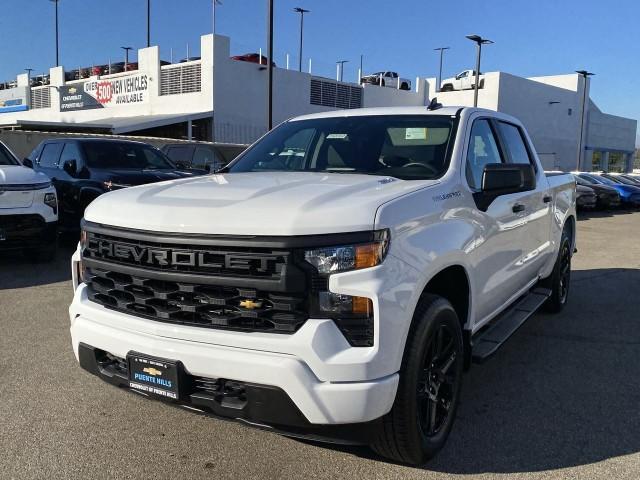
(465, 80)
(338, 293)
(387, 79)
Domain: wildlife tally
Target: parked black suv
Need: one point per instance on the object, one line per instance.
(84, 168)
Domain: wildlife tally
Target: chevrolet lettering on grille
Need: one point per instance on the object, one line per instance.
(162, 257)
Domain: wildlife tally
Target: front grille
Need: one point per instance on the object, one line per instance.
(187, 258)
(195, 304)
(241, 283)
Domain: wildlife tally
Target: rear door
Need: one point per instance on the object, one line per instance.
(537, 203)
(498, 250)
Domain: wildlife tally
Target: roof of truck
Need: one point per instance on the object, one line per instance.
(359, 112)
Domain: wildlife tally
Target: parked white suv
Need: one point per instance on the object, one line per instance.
(28, 209)
(335, 280)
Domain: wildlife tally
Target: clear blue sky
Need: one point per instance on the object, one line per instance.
(543, 37)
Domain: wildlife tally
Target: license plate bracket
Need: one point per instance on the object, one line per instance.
(157, 377)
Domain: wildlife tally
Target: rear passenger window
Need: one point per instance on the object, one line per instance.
(483, 150)
(204, 157)
(514, 143)
(50, 155)
(70, 152)
(180, 154)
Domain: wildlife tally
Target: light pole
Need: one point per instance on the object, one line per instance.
(441, 49)
(479, 41)
(301, 11)
(126, 56)
(28, 70)
(148, 23)
(584, 74)
(57, 46)
(341, 63)
(215, 3)
(270, 67)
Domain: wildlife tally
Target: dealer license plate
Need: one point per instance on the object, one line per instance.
(155, 376)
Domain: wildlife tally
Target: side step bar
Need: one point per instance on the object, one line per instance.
(486, 343)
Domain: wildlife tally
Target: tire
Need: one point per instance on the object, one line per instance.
(447, 88)
(404, 86)
(430, 381)
(560, 279)
(382, 83)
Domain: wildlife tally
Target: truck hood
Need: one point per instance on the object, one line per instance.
(19, 175)
(272, 203)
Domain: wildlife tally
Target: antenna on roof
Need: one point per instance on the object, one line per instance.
(434, 105)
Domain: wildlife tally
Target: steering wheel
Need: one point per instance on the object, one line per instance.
(421, 165)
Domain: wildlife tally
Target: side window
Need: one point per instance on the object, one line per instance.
(204, 157)
(50, 155)
(70, 152)
(180, 154)
(514, 143)
(483, 149)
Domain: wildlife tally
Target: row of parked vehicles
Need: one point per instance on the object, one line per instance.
(49, 190)
(607, 190)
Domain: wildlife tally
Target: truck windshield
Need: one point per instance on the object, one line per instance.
(409, 147)
(124, 155)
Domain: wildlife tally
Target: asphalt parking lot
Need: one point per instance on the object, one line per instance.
(560, 400)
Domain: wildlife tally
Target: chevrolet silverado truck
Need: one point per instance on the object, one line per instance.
(28, 210)
(465, 80)
(332, 282)
(387, 79)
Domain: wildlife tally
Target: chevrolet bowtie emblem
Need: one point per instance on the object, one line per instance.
(152, 371)
(250, 304)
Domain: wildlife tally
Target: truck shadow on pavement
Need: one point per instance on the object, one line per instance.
(563, 392)
(18, 271)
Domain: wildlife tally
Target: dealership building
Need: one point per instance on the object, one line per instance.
(225, 100)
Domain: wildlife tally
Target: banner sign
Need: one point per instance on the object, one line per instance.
(107, 93)
(13, 99)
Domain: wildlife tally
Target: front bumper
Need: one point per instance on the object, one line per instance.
(20, 231)
(262, 406)
(328, 381)
(586, 201)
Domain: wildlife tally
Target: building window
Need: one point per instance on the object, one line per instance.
(596, 162)
(616, 162)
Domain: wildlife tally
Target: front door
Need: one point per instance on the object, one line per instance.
(501, 228)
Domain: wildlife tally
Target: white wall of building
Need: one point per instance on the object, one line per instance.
(551, 110)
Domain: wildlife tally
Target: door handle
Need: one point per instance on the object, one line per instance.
(518, 207)
(546, 198)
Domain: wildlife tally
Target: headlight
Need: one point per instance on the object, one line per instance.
(342, 258)
(51, 200)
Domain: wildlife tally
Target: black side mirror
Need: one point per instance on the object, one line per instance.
(505, 178)
(71, 167)
(502, 179)
(27, 163)
(181, 165)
